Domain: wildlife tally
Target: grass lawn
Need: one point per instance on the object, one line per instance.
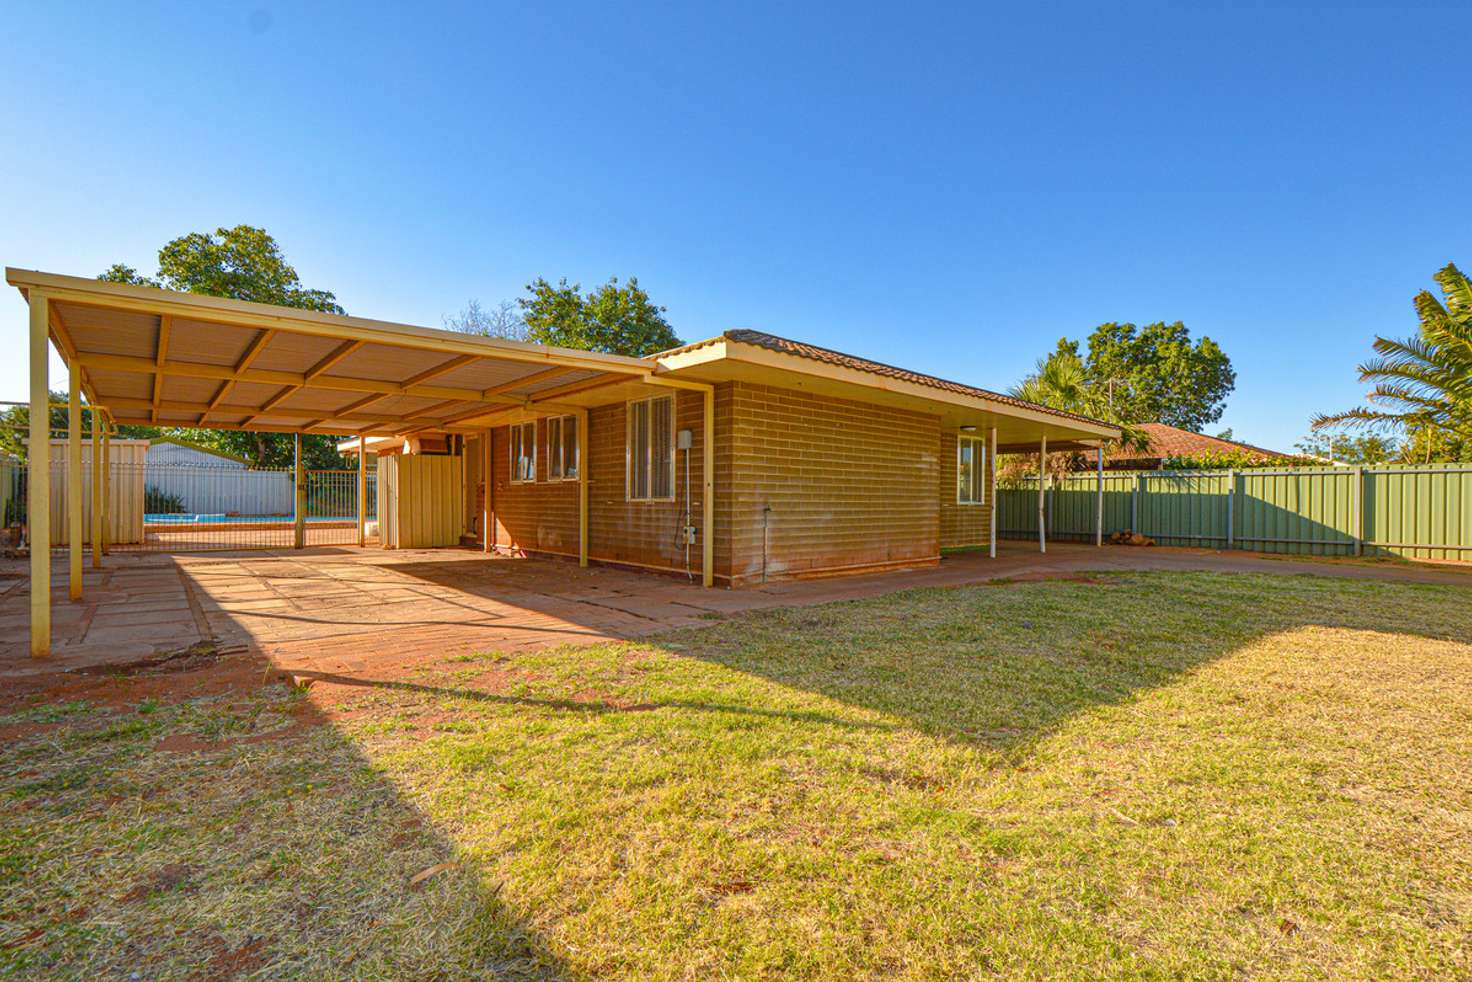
(1149, 775)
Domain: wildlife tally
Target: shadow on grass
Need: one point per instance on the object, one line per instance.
(1004, 664)
(200, 824)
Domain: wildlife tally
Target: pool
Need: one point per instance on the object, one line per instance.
(238, 519)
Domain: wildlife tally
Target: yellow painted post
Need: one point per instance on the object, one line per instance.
(708, 480)
(38, 483)
(487, 532)
(106, 492)
(74, 480)
(299, 501)
(993, 492)
(582, 487)
(1042, 480)
(362, 488)
(95, 485)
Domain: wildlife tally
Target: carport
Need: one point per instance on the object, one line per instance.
(147, 356)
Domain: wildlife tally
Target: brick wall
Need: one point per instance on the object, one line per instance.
(543, 517)
(850, 487)
(961, 525)
(841, 486)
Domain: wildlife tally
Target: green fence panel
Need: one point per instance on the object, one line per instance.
(1419, 512)
(1414, 511)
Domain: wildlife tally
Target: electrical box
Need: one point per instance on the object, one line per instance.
(684, 440)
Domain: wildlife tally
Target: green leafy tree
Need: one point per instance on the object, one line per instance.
(1157, 374)
(1061, 381)
(1423, 384)
(242, 263)
(1368, 449)
(613, 319)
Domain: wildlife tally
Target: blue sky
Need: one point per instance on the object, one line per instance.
(948, 189)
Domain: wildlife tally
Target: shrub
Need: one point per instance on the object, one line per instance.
(156, 501)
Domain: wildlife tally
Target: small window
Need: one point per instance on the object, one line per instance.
(651, 449)
(562, 448)
(524, 453)
(970, 471)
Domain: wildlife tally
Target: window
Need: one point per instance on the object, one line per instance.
(562, 448)
(651, 449)
(523, 453)
(970, 470)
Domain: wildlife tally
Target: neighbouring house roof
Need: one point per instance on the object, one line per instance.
(1170, 441)
(166, 442)
(828, 356)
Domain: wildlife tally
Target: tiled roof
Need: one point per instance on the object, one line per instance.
(1169, 441)
(837, 358)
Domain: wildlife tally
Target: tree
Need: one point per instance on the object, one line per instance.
(1060, 381)
(505, 321)
(1423, 384)
(612, 319)
(1368, 449)
(1156, 374)
(242, 263)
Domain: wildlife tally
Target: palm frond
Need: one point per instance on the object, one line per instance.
(1457, 291)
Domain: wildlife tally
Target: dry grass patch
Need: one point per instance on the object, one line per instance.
(1157, 775)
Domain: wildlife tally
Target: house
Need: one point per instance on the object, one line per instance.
(1170, 441)
(744, 457)
(825, 464)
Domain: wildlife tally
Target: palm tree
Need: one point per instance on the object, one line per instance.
(1060, 382)
(1422, 384)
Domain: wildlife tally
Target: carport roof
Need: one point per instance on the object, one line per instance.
(183, 359)
(151, 356)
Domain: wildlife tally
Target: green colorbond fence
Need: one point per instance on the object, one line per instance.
(1418, 511)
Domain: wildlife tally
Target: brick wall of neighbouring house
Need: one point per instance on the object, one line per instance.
(543, 517)
(961, 525)
(850, 485)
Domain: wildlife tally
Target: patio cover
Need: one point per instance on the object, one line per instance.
(144, 355)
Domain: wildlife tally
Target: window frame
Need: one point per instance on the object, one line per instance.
(557, 453)
(648, 462)
(979, 473)
(516, 437)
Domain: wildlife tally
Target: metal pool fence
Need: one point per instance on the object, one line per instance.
(1416, 511)
(180, 507)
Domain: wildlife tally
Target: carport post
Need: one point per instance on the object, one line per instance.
(582, 487)
(487, 514)
(38, 481)
(106, 491)
(74, 479)
(1042, 491)
(1099, 501)
(992, 518)
(708, 504)
(95, 486)
(299, 499)
(362, 486)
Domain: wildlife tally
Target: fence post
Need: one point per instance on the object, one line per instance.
(1099, 498)
(1357, 506)
(1135, 506)
(1231, 503)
